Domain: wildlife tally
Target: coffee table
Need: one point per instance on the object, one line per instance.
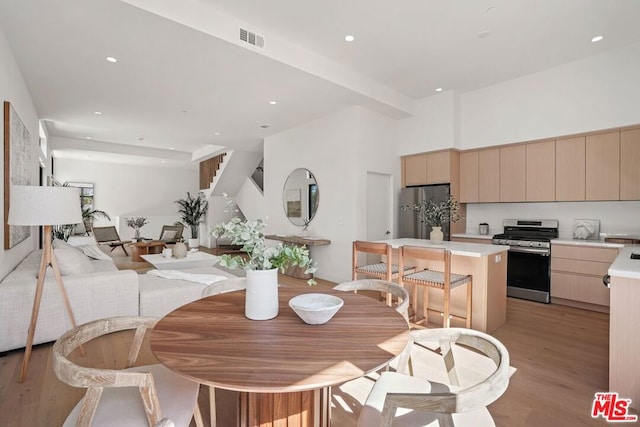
(143, 248)
(193, 259)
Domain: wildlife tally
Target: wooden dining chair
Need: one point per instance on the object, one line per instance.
(109, 236)
(221, 287)
(443, 280)
(134, 396)
(465, 371)
(383, 269)
(383, 286)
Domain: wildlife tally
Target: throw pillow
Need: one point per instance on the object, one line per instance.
(72, 261)
(93, 251)
(168, 235)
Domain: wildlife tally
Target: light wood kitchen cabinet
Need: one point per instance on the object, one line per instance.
(630, 164)
(540, 171)
(512, 173)
(602, 166)
(415, 169)
(439, 167)
(576, 275)
(489, 175)
(469, 177)
(570, 169)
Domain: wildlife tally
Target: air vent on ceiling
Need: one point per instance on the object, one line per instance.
(251, 38)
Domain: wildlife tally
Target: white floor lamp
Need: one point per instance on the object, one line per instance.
(47, 206)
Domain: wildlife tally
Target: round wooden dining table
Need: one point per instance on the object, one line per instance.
(283, 368)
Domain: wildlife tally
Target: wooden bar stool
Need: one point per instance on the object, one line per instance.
(444, 280)
(384, 270)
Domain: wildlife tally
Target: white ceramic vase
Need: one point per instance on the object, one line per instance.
(261, 300)
(179, 250)
(436, 235)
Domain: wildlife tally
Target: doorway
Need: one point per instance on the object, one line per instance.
(379, 206)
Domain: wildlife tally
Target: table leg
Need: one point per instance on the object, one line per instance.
(306, 408)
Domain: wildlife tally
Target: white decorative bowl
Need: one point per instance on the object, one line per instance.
(315, 309)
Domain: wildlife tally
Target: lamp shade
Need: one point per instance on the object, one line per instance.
(33, 205)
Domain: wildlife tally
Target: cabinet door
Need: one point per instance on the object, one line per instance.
(512, 173)
(570, 169)
(415, 169)
(469, 177)
(630, 165)
(541, 171)
(603, 166)
(439, 167)
(489, 175)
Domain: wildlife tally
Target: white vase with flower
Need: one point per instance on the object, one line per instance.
(261, 264)
(436, 215)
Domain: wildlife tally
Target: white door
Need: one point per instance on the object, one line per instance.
(379, 206)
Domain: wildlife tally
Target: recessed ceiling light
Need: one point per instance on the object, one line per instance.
(97, 113)
(439, 89)
(596, 39)
(162, 161)
(87, 137)
(111, 59)
(273, 102)
(217, 133)
(349, 38)
(171, 148)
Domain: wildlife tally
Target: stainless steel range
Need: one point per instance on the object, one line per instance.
(529, 257)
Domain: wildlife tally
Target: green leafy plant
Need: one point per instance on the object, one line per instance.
(436, 214)
(192, 211)
(137, 222)
(260, 256)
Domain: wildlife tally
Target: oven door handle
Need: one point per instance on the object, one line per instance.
(543, 252)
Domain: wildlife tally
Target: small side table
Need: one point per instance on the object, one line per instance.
(146, 248)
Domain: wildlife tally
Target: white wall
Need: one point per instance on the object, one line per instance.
(595, 93)
(14, 90)
(339, 150)
(127, 190)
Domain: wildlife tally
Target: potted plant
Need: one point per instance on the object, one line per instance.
(137, 222)
(436, 214)
(192, 211)
(261, 264)
(89, 215)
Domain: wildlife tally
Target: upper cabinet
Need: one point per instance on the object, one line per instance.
(489, 175)
(512, 172)
(630, 164)
(415, 169)
(469, 177)
(602, 166)
(570, 169)
(541, 171)
(439, 167)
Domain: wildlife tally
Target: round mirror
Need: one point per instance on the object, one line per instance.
(300, 197)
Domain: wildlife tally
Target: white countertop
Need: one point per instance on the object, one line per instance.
(456, 248)
(582, 242)
(624, 266)
(473, 236)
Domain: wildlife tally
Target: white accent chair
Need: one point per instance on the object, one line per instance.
(401, 400)
(135, 396)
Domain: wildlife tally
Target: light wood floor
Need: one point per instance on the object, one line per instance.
(561, 354)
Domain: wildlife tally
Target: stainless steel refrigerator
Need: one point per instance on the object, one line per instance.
(410, 225)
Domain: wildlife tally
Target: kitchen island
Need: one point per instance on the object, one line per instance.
(488, 266)
(624, 318)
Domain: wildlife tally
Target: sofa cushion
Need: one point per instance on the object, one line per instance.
(72, 261)
(94, 252)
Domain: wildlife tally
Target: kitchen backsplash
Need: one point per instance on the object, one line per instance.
(615, 217)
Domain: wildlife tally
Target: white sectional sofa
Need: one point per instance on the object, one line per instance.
(103, 292)
(96, 289)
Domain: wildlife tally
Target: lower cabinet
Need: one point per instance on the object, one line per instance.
(576, 275)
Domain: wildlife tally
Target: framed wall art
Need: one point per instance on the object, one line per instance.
(17, 169)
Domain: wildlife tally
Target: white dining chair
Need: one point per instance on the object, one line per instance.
(134, 396)
(441, 398)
